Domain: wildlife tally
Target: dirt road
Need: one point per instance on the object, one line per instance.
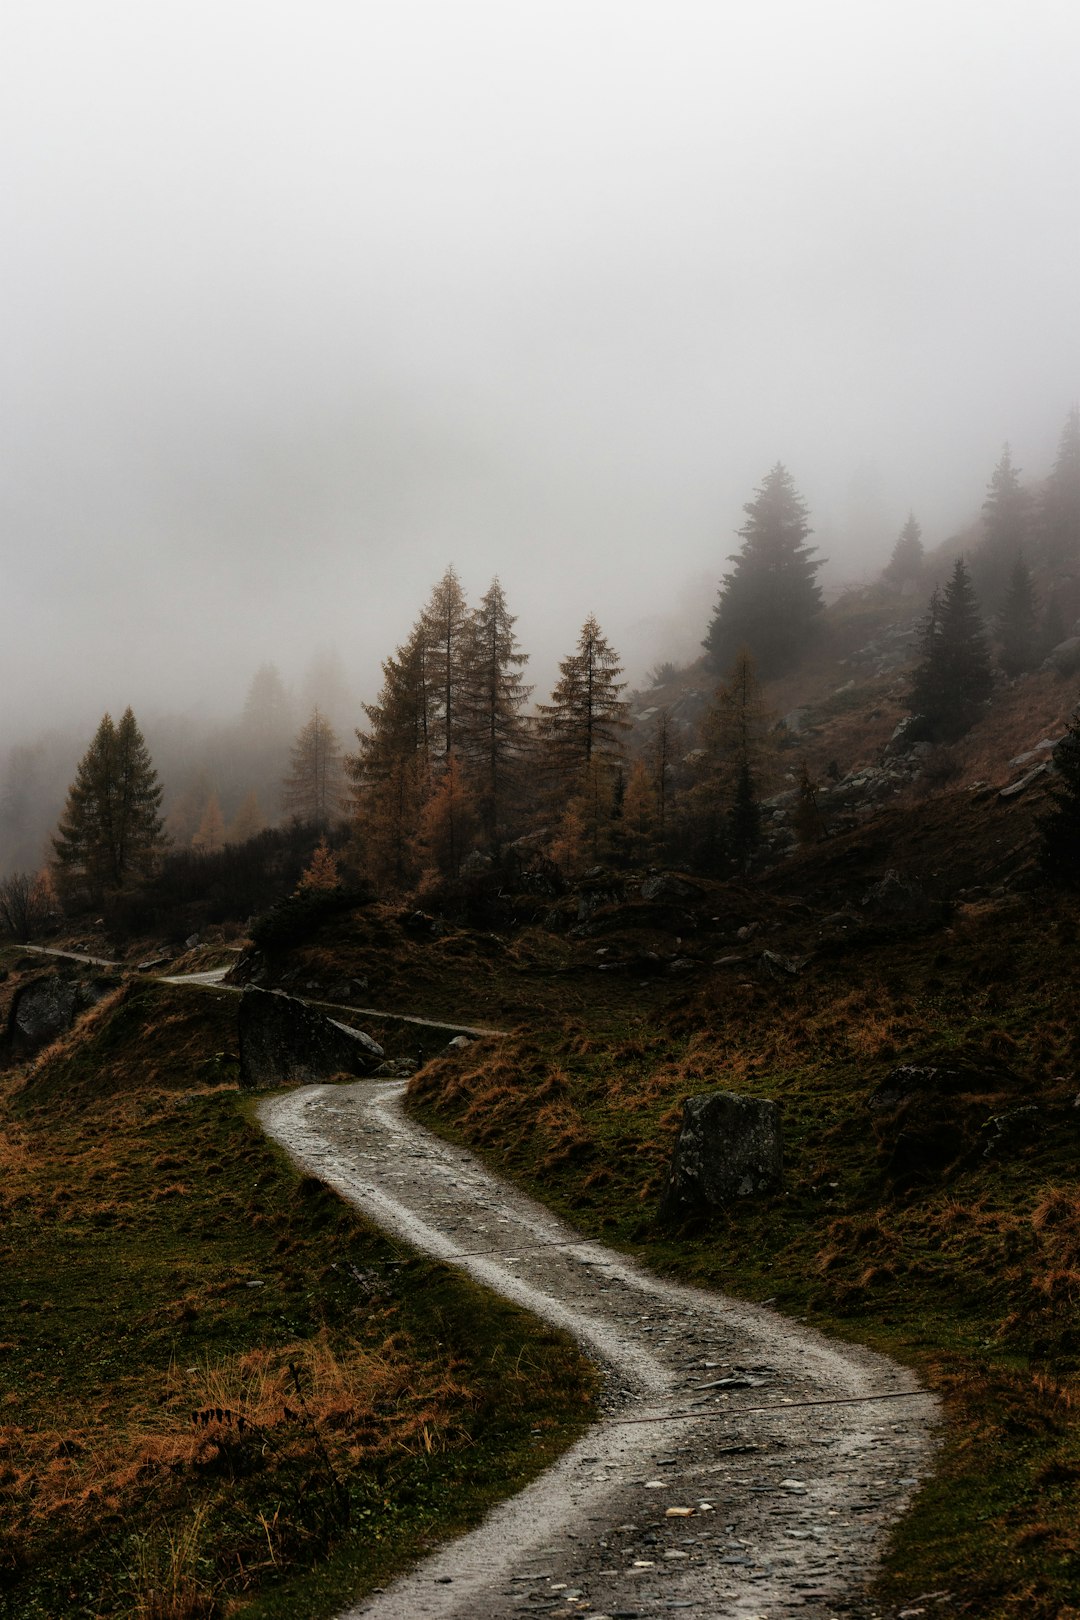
(791, 1504)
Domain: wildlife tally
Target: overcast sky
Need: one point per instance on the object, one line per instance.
(302, 302)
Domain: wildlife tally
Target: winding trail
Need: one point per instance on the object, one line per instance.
(791, 1502)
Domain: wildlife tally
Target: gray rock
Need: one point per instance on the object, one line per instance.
(666, 886)
(954, 1074)
(191, 942)
(283, 1041)
(896, 896)
(904, 735)
(1064, 659)
(43, 1009)
(458, 1044)
(1012, 1129)
(729, 1147)
(1014, 790)
(775, 966)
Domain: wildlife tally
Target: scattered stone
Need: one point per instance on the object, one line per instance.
(191, 942)
(775, 966)
(1014, 790)
(458, 1044)
(729, 1147)
(154, 962)
(44, 1009)
(1064, 659)
(954, 1074)
(667, 886)
(1012, 1129)
(283, 1041)
(896, 896)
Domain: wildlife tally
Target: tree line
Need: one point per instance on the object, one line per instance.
(451, 768)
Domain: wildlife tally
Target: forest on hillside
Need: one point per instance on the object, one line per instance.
(460, 777)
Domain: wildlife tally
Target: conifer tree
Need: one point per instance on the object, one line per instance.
(586, 717)
(808, 820)
(1006, 515)
(770, 600)
(1017, 626)
(448, 826)
(247, 822)
(727, 770)
(954, 679)
(267, 709)
(744, 819)
(660, 763)
(391, 770)
(314, 790)
(639, 816)
(321, 871)
(492, 726)
(1059, 514)
(209, 837)
(905, 566)
(110, 833)
(447, 632)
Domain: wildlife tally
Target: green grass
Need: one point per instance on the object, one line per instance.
(163, 1259)
(967, 1267)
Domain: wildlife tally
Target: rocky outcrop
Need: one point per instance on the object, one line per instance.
(282, 1041)
(729, 1147)
(43, 1009)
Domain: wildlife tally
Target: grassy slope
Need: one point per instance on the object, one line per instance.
(164, 1260)
(963, 1262)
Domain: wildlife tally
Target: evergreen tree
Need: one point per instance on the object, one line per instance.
(1060, 854)
(808, 820)
(770, 600)
(905, 566)
(954, 679)
(727, 768)
(110, 833)
(268, 714)
(210, 834)
(247, 822)
(322, 870)
(391, 770)
(494, 736)
(1006, 515)
(660, 764)
(1017, 625)
(314, 790)
(586, 717)
(639, 816)
(447, 632)
(1059, 514)
(447, 831)
(744, 819)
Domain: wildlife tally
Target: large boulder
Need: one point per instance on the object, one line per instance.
(284, 1041)
(44, 1009)
(729, 1147)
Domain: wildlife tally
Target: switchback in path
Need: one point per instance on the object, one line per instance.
(744, 1466)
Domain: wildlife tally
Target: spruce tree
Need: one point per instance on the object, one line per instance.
(744, 819)
(586, 717)
(314, 790)
(447, 632)
(1006, 518)
(905, 566)
(1017, 626)
(110, 833)
(391, 770)
(954, 679)
(492, 726)
(770, 600)
(1059, 509)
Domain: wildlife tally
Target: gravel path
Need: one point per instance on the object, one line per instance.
(783, 1510)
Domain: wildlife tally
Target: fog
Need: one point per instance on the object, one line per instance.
(301, 303)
